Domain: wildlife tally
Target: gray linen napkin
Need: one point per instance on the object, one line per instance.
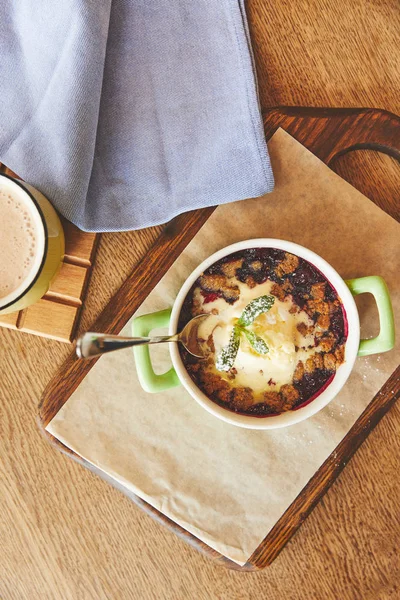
(127, 113)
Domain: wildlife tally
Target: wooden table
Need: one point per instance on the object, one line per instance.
(66, 534)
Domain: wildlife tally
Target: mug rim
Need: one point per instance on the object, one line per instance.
(11, 298)
(351, 345)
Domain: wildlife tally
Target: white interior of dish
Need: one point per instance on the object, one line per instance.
(343, 372)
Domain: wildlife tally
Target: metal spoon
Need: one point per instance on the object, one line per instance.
(92, 344)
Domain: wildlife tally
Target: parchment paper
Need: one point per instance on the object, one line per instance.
(228, 486)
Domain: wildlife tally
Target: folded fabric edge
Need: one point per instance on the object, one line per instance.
(165, 219)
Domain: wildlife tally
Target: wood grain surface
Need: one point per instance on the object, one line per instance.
(65, 533)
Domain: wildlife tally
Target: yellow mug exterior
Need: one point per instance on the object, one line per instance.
(53, 252)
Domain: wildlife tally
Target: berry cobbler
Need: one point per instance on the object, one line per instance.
(276, 333)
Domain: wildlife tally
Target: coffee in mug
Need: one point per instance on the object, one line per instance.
(31, 244)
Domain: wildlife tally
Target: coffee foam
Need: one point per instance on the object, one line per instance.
(18, 239)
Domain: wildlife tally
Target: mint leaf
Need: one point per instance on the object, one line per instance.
(256, 342)
(226, 357)
(255, 308)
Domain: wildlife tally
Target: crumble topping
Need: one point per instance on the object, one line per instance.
(305, 331)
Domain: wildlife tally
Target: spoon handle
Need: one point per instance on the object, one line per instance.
(92, 344)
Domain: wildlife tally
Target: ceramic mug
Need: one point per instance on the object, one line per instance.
(49, 245)
(354, 347)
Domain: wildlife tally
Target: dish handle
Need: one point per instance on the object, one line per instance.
(377, 287)
(149, 380)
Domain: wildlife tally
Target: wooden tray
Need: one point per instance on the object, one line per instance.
(56, 315)
(328, 133)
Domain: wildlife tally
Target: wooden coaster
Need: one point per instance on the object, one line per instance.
(56, 315)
